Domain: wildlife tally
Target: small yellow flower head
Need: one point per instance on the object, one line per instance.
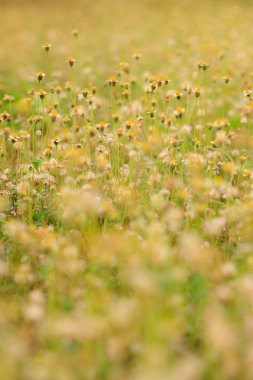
(162, 118)
(112, 81)
(196, 142)
(67, 87)
(6, 116)
(85, 92)
(120, 132)
(75, 32)
(66, 119)
(56, 140)
(173, 163)
(136, 56)
(178, 94)
(128, 124)
(187, 87)
(101, 126)
(242, 158)
(130, 135)
(42, 94)
(153, 85)
(124, 85)
(179, 112)
(153, 102)
(247, 93)
(124, 66)
(246, 173)
(160, 81)
(91, 131)
(151, 112)
(125, 94)
(174, 141)
(40, 75)
(46, 46)
(25, 135)
(47, 152)
(203, 65)
(70, 60)
(53, 115)
(197, 91)
(115, 117)
(14, 137)
(215, 143)
(167, 80)
(227, 78)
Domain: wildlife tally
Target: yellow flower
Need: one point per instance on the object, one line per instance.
(125, 94)
(247, 92)
(203, 65)
(136, 55)
(85, 92)
(46, 46)
(129, 124)
(179, 112)
(112, 81)
(14, 137)
(178, 94)
(70, 60)
(197, 91)
(42, 94)
(56, 140)
(227, 78)
(40, 75)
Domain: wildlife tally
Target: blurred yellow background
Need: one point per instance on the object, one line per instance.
(110, 29)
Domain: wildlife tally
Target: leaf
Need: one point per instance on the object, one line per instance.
(36, 164)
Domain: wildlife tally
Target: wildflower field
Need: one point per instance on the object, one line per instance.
(126, 190)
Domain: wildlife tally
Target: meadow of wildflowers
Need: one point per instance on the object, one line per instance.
(126, 190)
